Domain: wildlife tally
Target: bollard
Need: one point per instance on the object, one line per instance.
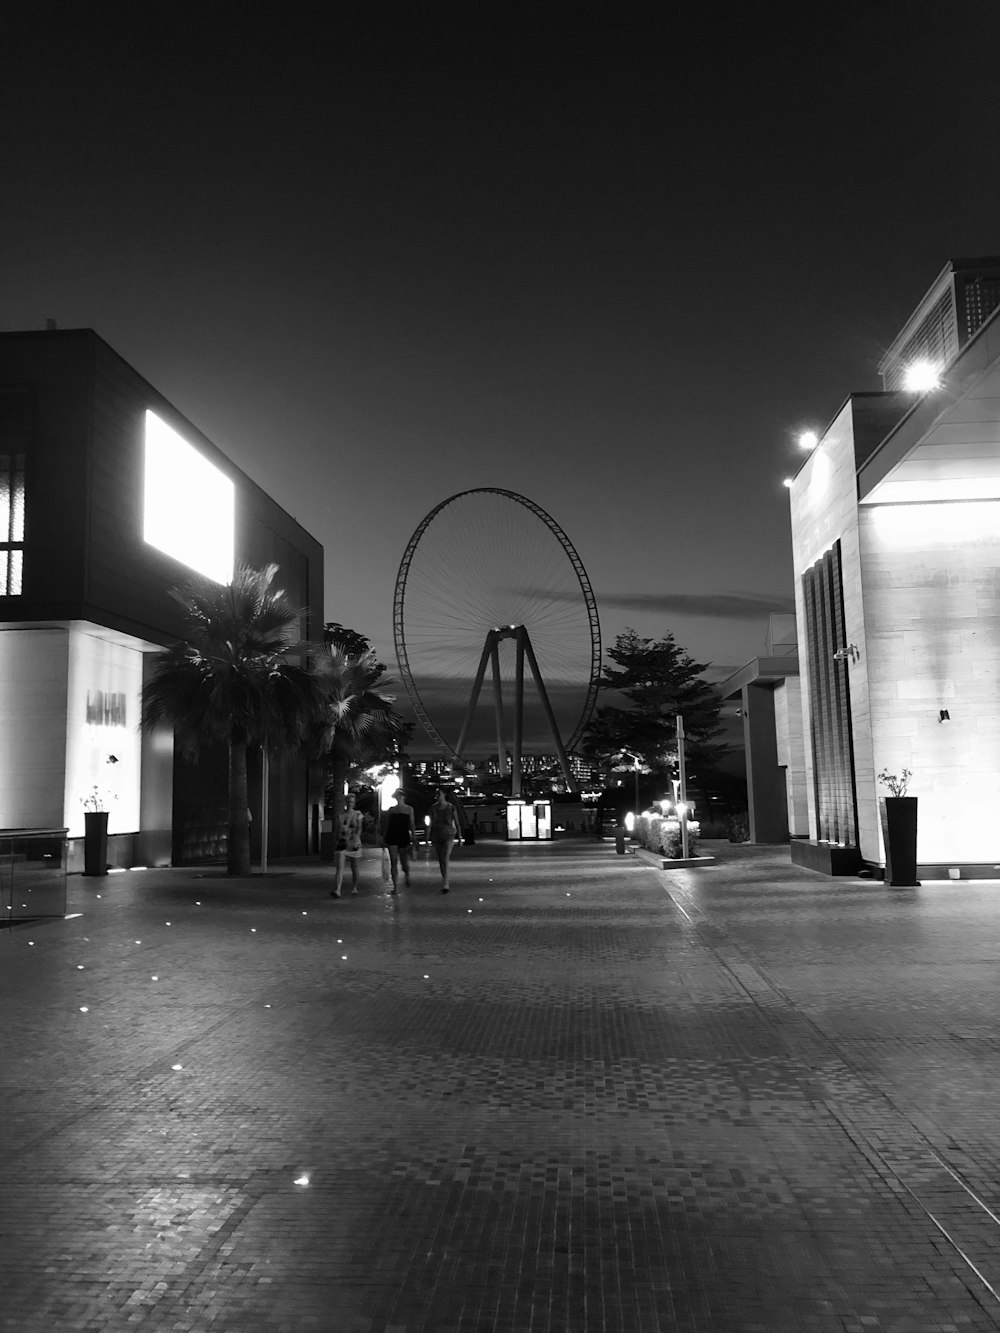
(620, 841)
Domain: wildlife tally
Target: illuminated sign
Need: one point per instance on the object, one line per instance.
(189, 506)
(106, 708)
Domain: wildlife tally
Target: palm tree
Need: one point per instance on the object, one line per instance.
(361, 722)
(240, 676)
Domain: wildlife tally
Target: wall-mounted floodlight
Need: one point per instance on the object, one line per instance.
(788, 482)
(808, 439)
(921, 377)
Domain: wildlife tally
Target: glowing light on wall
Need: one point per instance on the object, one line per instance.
(925, 525)
(921, 377)
(102, 745)
(189, 507)
(891, 491)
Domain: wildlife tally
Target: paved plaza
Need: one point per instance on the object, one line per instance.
(576, 1095)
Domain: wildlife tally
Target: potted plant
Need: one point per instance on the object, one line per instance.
(95, 827)
(898, 813)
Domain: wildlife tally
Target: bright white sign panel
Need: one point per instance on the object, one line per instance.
(189, 506)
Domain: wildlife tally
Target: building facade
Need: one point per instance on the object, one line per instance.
(109, 498)
(895, 521)
(769, 703)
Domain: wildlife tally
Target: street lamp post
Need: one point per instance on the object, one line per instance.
(626, 754)
(683, 786)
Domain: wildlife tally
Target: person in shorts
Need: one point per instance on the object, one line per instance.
(400, 838)
(348, 845)
(445, 828)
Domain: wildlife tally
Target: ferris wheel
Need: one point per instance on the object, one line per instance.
(489, 583)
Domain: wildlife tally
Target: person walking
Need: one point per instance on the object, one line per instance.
(444, 830)
(348, 845)
(400, 838)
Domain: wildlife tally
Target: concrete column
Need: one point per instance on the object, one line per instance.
(766, 796)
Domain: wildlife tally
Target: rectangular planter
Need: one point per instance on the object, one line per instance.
(899, 835)
(95, 842)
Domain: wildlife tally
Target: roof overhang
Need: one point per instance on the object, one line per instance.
(768, 672)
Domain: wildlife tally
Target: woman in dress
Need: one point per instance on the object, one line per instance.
(445, 827)
(400, 836)
(348, 845)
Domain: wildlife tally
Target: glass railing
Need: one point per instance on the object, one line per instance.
(32, 874)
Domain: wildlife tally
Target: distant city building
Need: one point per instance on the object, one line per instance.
(534, 764)
(109, 497)
(584, 770)
(439, 770)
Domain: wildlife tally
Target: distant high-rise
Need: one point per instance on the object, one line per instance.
(959, 302)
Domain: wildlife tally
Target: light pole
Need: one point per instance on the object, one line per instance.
(626, 754)
(683, 785)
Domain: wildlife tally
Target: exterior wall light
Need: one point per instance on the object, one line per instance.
(788, 482)
(922, 377)
(808, 439)
(944, 715)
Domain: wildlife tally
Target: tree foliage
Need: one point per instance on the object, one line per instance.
(361, 727)
(659, 680)
(239, 676)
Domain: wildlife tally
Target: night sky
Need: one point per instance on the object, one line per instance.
(610, 257)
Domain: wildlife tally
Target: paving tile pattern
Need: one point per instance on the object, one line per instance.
(577, 1095)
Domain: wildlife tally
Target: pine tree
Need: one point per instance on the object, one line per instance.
(660, 681)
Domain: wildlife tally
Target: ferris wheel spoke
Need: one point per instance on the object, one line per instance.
(482, 561)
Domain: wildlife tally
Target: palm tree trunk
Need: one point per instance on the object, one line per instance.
(238, 848)
(338, 770)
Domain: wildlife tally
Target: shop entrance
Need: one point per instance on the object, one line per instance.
(529, 821)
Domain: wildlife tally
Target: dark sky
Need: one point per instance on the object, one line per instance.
(610, 257)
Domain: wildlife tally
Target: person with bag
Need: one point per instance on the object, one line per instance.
(400, 838)
(348, 844)
(445, 829)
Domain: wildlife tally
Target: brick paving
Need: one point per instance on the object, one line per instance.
(577, 1095)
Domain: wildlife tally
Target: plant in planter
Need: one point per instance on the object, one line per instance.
(898, 814)
(671, 842)
(897, 786)
(662, 834)
(95, 822)
(738, 827)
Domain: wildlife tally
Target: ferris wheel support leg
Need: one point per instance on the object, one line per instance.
(498, 707)
(515, 778)
(540, 686)
(474, 696)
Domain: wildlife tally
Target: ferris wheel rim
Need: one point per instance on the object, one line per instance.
(587, 592)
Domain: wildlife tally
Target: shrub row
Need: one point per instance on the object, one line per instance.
(662, 834)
